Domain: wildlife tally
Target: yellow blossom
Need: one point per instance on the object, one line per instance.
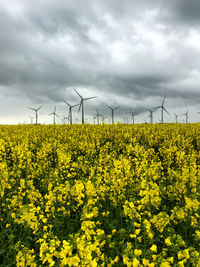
(153, 248)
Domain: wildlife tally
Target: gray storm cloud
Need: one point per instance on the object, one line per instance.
(128, 53)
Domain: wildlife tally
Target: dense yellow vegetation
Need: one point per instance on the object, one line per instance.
(107, 195)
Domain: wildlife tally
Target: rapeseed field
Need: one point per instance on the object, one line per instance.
(100, 195)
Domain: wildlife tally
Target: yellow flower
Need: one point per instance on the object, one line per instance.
(168, 242)
(180, 255)
(145, 262)
(153, 248)
(132, 236)
(181, 263)
(150, 235)
(170, 259)
(137, 231)
(135, 262)
(137, 252)
(74, 261)
(13, 215)
(137, 224)
(165, 264)
(93, 263)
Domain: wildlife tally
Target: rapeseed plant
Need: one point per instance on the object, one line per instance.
(106, 195)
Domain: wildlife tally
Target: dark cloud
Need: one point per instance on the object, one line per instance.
(129, 53)
(183, 13)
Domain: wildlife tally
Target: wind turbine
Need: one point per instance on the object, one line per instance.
(125, 120)
(186, 116)
(54, 115)
(82, 103)
(36, 113)
(31, 119)
(103, 118)
(151, 111)
(70, 110)
(162, 109)
(176, 117)
(64, 118)
(112, 112)
(97, 116)
(94, 118)
(133, 116)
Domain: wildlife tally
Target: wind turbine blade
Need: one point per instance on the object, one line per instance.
(166, 110)
(51, 114)
(81, 103)
(57, 115)
(108, 107)
(74, 105)
(78, 93)
(90, 97)
(32, 109)
(66, 103)
(55, 110)
(39, 107)
(116, 108)
(163, 101)
(157, 107)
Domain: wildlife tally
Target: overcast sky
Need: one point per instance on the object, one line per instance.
(127, 52)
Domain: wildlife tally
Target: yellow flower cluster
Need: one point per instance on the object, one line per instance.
(106, 195)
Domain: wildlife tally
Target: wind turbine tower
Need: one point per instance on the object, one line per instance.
(94, 118)
(125, 120)
(70, 110)
(64, 118)
(162, 109)
(97, 116)
(112, 112)
(151, 111)
(186, 116)
(176, 118)
(133, 117)
(103, 118)
(31, 119)
(82, 103)
(54, 115)
(36, 113)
